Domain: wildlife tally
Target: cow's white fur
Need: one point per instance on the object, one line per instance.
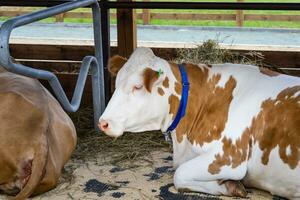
(141, 111)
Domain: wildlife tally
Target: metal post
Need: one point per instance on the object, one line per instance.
(105, 24)
(96, 63)
(98, 72)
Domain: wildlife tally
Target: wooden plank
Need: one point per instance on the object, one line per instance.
(4, 13)
(59, 18)
(56, 66)
(68, 82)
(240, 16)
(146, 15)
(183, 16)
(75, 54)
(126, 28)
(261, 17)
(78, 15)
(288, 60)
(51, 52)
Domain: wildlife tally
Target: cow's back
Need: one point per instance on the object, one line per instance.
(252, 89)
(26, 106)
(265, 108)
(23, 119)
(62, 136)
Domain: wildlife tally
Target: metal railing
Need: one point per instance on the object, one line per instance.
(93, 62)
(166, 5)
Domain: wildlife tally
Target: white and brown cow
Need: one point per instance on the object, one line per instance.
(241, 122)
(36, 137)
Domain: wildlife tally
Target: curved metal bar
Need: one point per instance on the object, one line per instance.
(96, 63)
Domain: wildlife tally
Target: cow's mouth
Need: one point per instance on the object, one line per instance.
(113, 135)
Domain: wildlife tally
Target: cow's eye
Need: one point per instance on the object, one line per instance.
(137, 87)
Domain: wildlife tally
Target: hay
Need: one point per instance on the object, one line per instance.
(98, 147)
(210, 52)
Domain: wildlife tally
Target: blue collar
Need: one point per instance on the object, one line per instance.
(183, 102)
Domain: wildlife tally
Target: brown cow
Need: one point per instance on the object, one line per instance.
(36, 137)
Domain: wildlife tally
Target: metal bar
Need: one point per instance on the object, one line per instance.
(206, 5)
(98, 73)
(105, 23)
(168, 5)
(30, 3)
(89, 61)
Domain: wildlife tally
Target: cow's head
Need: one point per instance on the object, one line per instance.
(140, 102)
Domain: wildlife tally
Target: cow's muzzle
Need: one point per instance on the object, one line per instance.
(109, 128)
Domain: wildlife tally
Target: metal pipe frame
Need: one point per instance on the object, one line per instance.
(166, 5)
(205, 5)
(93, 62)
(105, 23)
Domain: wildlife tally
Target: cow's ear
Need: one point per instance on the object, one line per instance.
(150, 77)
(115, 63)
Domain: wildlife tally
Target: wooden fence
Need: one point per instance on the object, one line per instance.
(66, 64)
(146, 16)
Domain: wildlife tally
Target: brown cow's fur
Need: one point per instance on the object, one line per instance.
(174, 103)
(284, 132)
(160, 91)
(166, 82)
(235, 188)
(206, 116)
(115, 63)
(268, 72)
(233, 153)
(150, 76)
(36, 137)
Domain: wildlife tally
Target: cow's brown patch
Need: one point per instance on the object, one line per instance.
(176, 72)
(166, 82)
(160, 91)
(178, 88)
(235, 188)
(268, 72)
(278, 125)
(150, 76)
(174, 102)
(208, 105)
(115, 63)
(234, 153)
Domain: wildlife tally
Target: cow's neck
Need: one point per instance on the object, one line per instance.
(208, 105)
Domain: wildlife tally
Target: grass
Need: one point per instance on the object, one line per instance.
(261, 24)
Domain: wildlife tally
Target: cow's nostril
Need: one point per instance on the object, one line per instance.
(103, 125)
